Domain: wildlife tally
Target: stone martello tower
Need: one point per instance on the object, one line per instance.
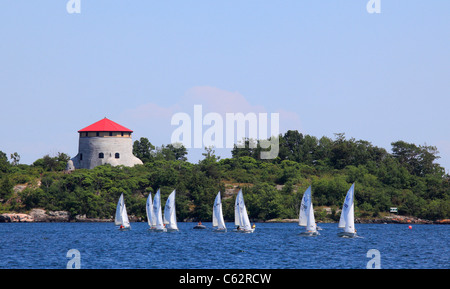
(104, 142)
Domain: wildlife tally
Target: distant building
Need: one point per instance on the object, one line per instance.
(104, 142)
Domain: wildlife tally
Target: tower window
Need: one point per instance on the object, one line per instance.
(81, 157)
(101, 155)
(117, 155)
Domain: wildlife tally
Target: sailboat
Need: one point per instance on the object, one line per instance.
(121, 218)
(159, 225)
(347, 220)
(170, 218)
(240, 215)
(218, 222)
(151, 218)
(306, 217)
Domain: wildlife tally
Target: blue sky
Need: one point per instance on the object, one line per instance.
(326, 66)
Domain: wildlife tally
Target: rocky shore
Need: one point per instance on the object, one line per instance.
(391, 219)
(40, 215)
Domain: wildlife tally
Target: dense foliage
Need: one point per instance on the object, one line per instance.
(407, 178)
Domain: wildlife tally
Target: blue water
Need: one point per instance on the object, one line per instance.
(272, 246)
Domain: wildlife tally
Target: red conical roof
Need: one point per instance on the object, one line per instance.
(105, 125)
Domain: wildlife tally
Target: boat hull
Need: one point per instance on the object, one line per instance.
(158, 230)
(224, 230)
(124, 229)
(309, 234)
(346, 235)
(200, 227)
(244, 231)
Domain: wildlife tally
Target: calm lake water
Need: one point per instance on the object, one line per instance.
(272, 246)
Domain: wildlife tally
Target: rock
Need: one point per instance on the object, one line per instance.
(19, 188)
(83, 218)
(41, 215)
(15, 218)
(277, 220)
(398, 219)
(444, 221)
(58, 216)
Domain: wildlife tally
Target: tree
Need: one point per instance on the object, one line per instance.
(209, 163)
(418, 160)
(49, 163)
(15, 159)
(407, 178)
(4, 164)
(174, 152)
(290, 146)
(6, 188)
(250, 148)
(143, 149)
(341, 151)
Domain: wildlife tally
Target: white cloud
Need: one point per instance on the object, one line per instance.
(149, 111)
(220, 101)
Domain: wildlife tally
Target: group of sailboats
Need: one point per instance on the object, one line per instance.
(241, 219)
(169, 223)
(154, 214)
(347, 220)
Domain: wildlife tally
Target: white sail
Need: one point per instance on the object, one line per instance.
(306, 217)
(151, 219)
(217, 214)
(347, 220)
(118, 218)
(311, 226)
(157, 211)
(241, 215)
(121, 217)
(170, 218)
(237, 218)
(125, 221)
(304, 207)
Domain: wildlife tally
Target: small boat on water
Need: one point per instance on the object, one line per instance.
(241, 219)
(121, 218)
(199, 226)
(218, 222)
(306, 218)
(170, 219)
(151, 218)
(347, 220)
(159, 225)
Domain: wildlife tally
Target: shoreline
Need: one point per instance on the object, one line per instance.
(42, 216)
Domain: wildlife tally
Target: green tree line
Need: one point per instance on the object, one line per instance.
(408, 178)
